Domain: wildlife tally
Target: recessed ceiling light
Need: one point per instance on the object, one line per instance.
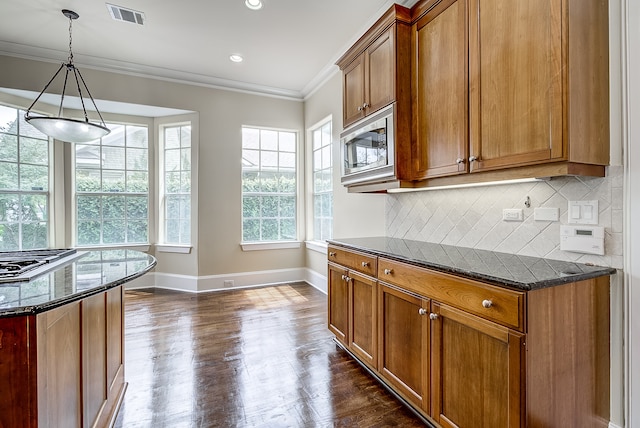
(253, 4)
(236, 58)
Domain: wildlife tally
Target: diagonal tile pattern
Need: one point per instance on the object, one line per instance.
(472, 217)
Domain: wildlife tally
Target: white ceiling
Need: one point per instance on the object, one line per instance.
(289, 46)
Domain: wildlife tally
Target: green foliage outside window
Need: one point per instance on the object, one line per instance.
(24, 183)
(269, 188)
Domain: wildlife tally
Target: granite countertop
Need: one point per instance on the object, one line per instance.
(508, 270)
(85, 274)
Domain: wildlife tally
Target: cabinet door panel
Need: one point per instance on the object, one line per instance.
(480, 361)
(364, 297)
(353, 91)
(440, 81)
(94, 348)
(516, 82)
(338, 291)
(381, 72)
(404, 343)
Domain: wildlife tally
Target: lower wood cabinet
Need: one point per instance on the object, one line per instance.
(352, 312)
(467, 354)
(64, 367)
(404, 350)
(477, 368)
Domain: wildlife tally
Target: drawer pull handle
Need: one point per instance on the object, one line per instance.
(388, 271)
(487, 303)
(332, 254)
(365, 264)
(433, 316)
(422, 311)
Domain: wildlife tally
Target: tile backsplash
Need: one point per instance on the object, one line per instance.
(472, 217)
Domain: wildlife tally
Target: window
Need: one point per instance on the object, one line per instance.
(322, 182)
(112, 188)
(268, 185)
(24, 183)
(177, 185)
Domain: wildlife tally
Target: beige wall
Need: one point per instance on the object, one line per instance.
(354, 215)
(221, 114)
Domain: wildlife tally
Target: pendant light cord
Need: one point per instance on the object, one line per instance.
(70, 59)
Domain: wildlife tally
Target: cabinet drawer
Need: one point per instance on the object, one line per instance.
(496, 304)
(361, 262)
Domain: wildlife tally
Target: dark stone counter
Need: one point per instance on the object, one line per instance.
(508, 270)
(85, 274)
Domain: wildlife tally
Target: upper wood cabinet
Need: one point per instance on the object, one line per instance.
(500, 84)
(440, 110)
(375, 70)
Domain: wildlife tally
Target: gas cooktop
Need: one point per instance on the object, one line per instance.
(15, 264)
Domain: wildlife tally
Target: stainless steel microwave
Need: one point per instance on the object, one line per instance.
(368, 148)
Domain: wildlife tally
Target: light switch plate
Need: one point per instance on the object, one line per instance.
(546, 214)
(582, 212)
(512, 214)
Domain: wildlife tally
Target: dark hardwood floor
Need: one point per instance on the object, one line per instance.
(259, 357)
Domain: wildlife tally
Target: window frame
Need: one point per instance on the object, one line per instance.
(148, 193)
(312, 191)
(162, 244)
(299, 198)
(46, 193)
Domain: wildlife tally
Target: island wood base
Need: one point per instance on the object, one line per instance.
(64, 367)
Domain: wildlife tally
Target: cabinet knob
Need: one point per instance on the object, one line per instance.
(388, 271)
(365, 105)
(332, 253)
(344, 277)
(360, 108)
(487, 303)
(365, 264)
(459, 160)
(433, 316)
(422, 311)
(472, 158)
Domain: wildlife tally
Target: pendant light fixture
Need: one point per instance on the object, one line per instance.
(62, 128)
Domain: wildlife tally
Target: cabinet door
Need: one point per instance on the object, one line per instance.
(440, 111)
(516, 80)
(380, 72)
(59, 372)
(478, 371)
(94, 349)
(338, 291)
(363, 317)
(353, 80)
(403, 356)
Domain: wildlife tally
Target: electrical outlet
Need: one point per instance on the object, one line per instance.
(512, 214)
(228, 283)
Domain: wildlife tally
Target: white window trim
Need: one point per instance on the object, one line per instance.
(272, 245)
(300, 197)
(309, 194)
(178, 249)
(318, 246)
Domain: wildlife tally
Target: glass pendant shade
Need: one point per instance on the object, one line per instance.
(63, 128)
(68, 130)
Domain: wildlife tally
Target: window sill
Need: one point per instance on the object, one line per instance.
(257, 246)
(137, 247)
(319, 246)
(179, 249)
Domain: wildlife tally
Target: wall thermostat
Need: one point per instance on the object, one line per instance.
(582, 239)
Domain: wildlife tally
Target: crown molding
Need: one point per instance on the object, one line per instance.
(139, 70)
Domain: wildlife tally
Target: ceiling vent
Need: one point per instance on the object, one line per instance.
(120, 13)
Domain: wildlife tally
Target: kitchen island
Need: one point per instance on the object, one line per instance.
(475, 338)
(61, 341)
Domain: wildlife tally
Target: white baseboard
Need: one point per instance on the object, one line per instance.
(232, 281)
(612, 425)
